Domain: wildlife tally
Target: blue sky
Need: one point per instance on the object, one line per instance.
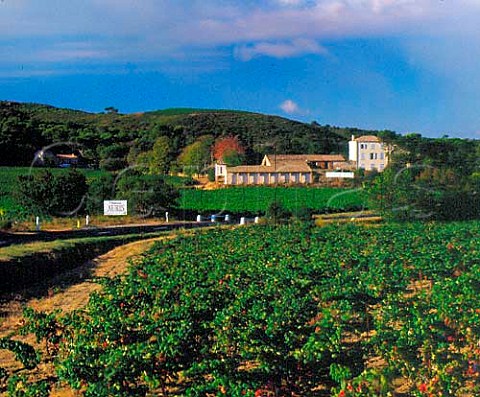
(404, 65)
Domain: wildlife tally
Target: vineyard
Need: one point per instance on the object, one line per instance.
(390, 310)
(258, 198)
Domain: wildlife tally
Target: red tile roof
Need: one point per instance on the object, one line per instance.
(368, 138)
(67, 156)
(295, 166)
(305, 157)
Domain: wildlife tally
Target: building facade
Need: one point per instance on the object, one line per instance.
(369, 153)
(280, 169)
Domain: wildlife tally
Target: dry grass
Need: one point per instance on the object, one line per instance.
(59, 224)
(361, 217)
(21, 250)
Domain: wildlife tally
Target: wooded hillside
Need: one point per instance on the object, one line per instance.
(25, 128)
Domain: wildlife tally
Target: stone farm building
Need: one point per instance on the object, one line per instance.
(63, 160)
(282, 169)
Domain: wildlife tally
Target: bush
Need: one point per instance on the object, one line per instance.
(46, 194)
(147, 195)
(113, 164)
(6, 224)
(99, 190)
(303, 214)
(211, 174)
(70, 189)
(19, 386)
(423, 193)
(277, 213)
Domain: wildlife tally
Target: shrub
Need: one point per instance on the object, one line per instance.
(211, 174)
(303, 214)
(47, 194)
(146, 194)
(277, 213)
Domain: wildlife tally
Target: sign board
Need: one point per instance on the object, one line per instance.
(115, 207)
(340, 174)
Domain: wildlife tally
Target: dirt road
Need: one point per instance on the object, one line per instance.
(71, 292)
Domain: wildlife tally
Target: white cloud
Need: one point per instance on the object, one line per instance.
(290, 3)
(293, 48)
(290, 107)
(162, 29)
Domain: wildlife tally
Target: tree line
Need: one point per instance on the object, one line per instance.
(429, 179)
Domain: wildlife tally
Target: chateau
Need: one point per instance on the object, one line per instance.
(281, 169)
(366, 152)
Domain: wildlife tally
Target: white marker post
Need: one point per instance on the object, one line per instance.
(242, 220)
(87, 220)
(166, 217)
(199, 218)
(37, 223)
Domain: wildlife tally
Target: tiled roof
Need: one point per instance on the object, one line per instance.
(291, 166)
(305, 157)
(294, 166)
(368, 138)
(67, 156)
(288, 163)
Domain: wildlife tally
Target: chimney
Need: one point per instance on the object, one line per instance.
(353, 137)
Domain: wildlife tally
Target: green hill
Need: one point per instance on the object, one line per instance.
(27, 127)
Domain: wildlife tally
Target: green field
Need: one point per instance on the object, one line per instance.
(257, 199)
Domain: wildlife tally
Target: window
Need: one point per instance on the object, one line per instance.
(382, 166)
(372, 166)
(361, 146)
(371, 156)
(372, 146)
(362, 156)
(382, 155)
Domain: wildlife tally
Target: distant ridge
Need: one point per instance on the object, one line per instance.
(184, 111)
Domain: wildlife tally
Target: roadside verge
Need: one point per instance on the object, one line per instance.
(25, 265)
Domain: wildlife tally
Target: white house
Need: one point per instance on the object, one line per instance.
(368, 152)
